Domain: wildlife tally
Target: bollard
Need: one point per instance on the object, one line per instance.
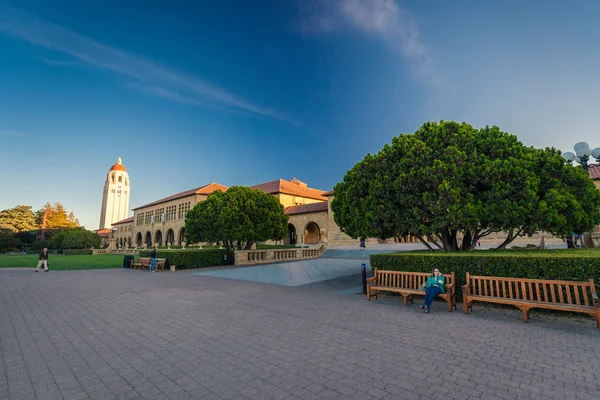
(363, 269)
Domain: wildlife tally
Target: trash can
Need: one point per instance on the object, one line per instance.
(127, 261)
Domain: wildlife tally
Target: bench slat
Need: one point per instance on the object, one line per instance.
(568, 290)
(586, 300)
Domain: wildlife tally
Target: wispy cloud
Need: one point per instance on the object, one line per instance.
(180, 85)
(167, 94)
(60, 63)
(385, 19)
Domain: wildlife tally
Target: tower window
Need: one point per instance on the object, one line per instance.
(120, 179)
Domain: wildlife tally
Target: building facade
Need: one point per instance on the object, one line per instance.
(162, 222)
(115, 197)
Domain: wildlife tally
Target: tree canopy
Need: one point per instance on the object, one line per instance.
(18, 219)
(238, 218)
(449, 182)
(56, 217)
(75, 239)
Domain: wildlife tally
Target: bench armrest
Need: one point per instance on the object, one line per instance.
(450, 288)
(466, 289)
(596, 300)
(370, 280)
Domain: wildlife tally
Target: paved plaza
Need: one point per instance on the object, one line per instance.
(125, 334)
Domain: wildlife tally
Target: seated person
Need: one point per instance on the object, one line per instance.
(435, 285)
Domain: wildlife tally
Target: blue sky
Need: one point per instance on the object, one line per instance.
(188, 93)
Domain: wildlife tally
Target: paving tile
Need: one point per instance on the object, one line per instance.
(118, 334)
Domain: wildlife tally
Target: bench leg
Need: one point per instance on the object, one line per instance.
(369, 292)
(449, 300)
(598, 317)
(525, 311)
(466, 303)
(405, 299)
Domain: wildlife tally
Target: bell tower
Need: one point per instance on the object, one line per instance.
(115, 198)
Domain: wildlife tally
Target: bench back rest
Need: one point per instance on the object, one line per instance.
(144, 259)
(406, 280)
(548, 291)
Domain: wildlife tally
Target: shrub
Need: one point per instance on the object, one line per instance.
(40, 244)
(190, 259)
(77, 252)
(568, 265)
(9, 242)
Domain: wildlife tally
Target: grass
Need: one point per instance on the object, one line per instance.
(58, 262)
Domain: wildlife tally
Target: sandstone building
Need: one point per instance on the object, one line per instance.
(310, 221)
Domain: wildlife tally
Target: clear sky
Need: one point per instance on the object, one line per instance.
(243, 92)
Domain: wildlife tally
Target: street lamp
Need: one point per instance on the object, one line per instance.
(582, 154)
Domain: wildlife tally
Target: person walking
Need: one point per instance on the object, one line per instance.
(153, 259)
(362, 244)
(42, 260)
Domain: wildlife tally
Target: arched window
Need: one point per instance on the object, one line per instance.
(120, 178)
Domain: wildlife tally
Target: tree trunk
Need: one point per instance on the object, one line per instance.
(425, 242)
(449, 240)
(466, 242)
(511, 236)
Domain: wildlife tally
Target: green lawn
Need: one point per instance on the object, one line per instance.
(59, 262)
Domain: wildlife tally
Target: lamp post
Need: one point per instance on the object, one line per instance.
(582, 154)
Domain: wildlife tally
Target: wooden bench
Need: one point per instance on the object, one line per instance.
(142, 262)
(408, 284)
(160, 263)
(526, 294)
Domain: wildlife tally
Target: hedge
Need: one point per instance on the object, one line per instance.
(568, 265)
(189, 259)
(77, 252)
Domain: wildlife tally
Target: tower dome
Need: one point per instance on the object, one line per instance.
(118, 166)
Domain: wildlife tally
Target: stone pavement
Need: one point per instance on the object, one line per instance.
(295, 273)
(123, 334)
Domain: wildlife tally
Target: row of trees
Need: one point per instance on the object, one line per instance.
(21, 225)
(450, 180)
(22, 218)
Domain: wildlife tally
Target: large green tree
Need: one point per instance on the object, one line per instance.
(79, 239)
(18, 219)
(238, 218)
(450, 184)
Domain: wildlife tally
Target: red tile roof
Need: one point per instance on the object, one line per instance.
(594, 171)
(306, 208)
(103, 233)
(206, 189)
(291, 188)
(124, 221)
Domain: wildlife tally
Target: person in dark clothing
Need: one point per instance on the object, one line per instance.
(42, 260)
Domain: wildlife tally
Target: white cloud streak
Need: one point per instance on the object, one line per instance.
(39, 32)
(385, 19)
